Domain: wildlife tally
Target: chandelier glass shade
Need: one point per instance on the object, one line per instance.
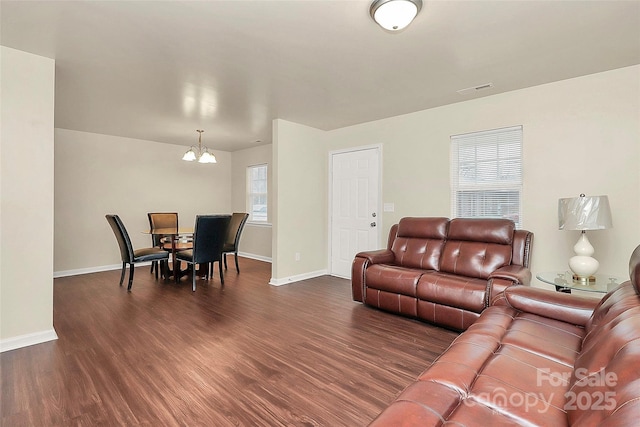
(200, 153)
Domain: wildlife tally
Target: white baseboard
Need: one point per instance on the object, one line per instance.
(297, 278)
(27, 340)
(98, 269)
(88, 270)
(256, 257)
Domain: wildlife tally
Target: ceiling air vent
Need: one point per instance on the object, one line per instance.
(474, 89)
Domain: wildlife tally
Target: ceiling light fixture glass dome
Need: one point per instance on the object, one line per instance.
(394, 15)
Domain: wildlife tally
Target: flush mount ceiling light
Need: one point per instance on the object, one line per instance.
(201, 153)
(394, 15)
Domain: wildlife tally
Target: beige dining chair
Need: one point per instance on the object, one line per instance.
(165, 220)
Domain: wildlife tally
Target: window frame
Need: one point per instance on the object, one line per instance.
(493, 178)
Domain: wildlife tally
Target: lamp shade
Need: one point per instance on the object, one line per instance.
(189, 156)
(207, 157)
(584, 213)
(394, 15)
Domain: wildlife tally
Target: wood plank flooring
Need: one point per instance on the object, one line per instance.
(242, 354)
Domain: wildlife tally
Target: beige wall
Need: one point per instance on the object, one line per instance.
(580, 136)
(26, 202)
(300, 195)
(256, 238)
(99, 174)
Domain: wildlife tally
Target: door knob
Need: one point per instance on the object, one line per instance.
(373, 224)
(373, 214)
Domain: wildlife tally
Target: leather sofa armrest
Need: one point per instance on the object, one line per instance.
(360, 264)
(516, 273)
(573, 309)
(382, 256)
(504, 278)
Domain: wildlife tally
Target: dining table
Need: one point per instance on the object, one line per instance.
(175, 234)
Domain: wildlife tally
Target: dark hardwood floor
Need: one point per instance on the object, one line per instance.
(246, 354)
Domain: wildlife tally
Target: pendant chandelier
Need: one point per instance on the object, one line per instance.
(201, 153)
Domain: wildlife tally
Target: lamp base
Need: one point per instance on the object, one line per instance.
(584, 280)
(583, 267)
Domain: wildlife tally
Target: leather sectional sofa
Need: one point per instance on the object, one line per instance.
(443, 271)
(536, 357)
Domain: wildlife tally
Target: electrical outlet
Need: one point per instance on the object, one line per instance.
(297, 256)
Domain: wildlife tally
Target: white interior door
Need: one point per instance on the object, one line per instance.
(354, 207)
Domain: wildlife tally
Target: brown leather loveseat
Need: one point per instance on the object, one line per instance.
(443, 271)
(538, 358)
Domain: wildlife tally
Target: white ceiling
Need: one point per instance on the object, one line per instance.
(159, 70)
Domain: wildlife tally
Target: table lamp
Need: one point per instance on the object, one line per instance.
(584, 213)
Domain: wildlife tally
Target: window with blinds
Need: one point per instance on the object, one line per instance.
(257, 193)
(486, 174)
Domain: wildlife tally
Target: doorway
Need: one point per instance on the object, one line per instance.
(354, 206)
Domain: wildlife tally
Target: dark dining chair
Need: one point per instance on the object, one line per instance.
(131, 256)
(238, 220)
(209, 236)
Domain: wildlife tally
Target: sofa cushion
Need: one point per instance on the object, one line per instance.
(467, 293)
(423, 227)
(477, 247)
(607, 372)
(392, 278)
(419, 242)
(614, 303)
(473, 259)
(605, 383)
(492, 230)
(555, 340)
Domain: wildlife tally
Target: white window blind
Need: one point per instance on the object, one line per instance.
(486, 174)
(257, 193)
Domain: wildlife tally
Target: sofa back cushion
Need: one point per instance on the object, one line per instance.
(616, 301)
(419, 242)
(604, 388)
(477, 247)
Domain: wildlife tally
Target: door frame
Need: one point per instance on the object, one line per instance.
(378, 149)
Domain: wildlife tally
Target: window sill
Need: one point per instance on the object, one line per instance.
(258, 224)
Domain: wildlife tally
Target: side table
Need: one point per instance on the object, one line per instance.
(563, 281)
